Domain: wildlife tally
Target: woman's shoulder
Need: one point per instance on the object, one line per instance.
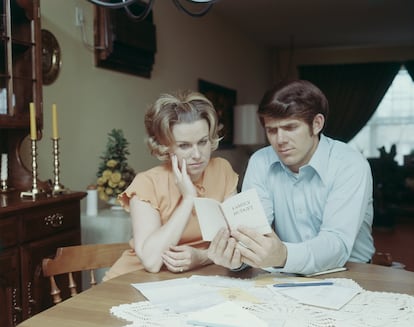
(159, 172)
(219, 162)
(221, 166)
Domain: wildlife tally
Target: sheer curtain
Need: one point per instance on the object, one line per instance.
(354, 92)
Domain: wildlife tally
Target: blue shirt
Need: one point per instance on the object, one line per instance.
(324, 213)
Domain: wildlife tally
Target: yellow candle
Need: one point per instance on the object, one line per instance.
(54, 123)
(33, 130)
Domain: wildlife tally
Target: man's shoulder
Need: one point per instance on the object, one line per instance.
(344, 159)
(344, 152)
(265, 155)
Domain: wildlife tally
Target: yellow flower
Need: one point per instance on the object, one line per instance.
(106, 174)
(103, 196)
(101, 181)
(116, 177)
(109, 191)
(112, 163)
(112, 184)
(122, 184)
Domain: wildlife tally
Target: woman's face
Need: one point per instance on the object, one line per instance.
(192, 144)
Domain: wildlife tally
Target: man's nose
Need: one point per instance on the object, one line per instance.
(281, 136)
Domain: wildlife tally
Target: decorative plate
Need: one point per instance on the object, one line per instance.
(51, 60)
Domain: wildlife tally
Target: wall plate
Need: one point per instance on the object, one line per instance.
(51, 57)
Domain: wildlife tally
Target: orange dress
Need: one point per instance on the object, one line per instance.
(157, 187)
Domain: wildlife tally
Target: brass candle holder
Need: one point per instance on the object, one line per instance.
(35, 190)
(3, 185)
(58, 188)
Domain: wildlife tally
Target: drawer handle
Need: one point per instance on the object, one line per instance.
(54, 220)
(17, 309)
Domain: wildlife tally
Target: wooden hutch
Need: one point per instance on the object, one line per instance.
(30, 228)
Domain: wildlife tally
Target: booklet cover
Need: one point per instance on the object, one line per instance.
(243, 208)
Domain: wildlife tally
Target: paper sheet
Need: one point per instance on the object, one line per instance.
(330, 297)
(227, 314)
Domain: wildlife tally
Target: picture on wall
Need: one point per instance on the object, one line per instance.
(224, 100)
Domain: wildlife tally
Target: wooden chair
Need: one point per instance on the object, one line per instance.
(72, 259)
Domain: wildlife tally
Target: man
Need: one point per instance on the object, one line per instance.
(316, 192)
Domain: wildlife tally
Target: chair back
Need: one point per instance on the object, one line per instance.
(76, 258)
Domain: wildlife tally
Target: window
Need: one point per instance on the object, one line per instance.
(392, 122)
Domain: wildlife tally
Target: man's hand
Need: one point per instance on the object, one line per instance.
(259, 250)
(223, 250)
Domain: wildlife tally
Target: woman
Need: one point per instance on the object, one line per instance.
(182, 131)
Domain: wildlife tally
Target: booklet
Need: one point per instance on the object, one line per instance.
(243, 208)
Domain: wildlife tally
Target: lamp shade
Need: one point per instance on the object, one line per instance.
(247, 127)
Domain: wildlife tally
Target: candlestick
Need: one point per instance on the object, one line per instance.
(33, 129)
(3, 186)
(34, 191)
(3, 175)
(54, 123)
(57, 187)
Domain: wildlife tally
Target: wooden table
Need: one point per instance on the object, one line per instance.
(91, 308)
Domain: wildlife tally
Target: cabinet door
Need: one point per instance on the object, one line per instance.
(36, 288)
(10, 299)
(20, 56)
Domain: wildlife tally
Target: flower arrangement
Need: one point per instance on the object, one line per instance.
(114, 173)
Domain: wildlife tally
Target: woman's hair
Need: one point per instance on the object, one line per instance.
(174, 108)
(298, 99)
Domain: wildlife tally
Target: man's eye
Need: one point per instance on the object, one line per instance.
(203, 142)
(291, 127)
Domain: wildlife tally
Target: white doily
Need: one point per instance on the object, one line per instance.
(367, 309)
(144, 314)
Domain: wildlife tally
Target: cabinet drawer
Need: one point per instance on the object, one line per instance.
(44, 221)
(8, 232)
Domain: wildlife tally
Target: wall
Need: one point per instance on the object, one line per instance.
(91, 101)
(284, 62)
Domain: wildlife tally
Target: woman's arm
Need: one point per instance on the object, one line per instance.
(151, 238)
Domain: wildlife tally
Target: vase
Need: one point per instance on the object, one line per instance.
(114, 204)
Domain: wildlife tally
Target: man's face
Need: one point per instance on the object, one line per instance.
(293, 140)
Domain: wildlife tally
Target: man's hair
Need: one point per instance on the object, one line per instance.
(298, 99)
(173, 108)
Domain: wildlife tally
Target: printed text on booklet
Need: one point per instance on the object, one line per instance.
(243, 208)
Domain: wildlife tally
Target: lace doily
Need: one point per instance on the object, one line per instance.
(367, 309)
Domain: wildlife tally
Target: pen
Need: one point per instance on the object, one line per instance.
(303, 284)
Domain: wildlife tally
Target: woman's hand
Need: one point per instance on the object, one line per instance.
(180, 258)
(183, 181)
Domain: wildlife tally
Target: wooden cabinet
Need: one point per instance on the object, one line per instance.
(30, 228)
(30, 231)
(20, 81)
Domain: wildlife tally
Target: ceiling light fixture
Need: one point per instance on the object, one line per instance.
(207, 4)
